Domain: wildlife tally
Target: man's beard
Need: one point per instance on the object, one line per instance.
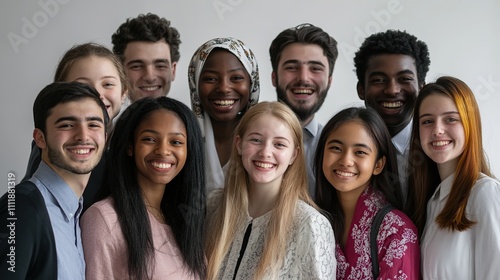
(57, 159)
(303, 113)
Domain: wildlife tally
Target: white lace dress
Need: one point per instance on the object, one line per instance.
(310, 253)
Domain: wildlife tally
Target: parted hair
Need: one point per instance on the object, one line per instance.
(387, 181)
(424, 176)
(78, 52)
(231, 212)
(184, 200)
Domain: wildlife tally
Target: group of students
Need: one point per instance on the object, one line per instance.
(234, 188)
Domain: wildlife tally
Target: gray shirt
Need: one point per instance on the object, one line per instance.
(64, 209)
(311, 132)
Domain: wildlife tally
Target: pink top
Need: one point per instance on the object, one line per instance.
(105, 249)
(397, 243)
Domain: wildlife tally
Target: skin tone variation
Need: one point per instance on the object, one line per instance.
(74, 141)
(391, 88)
(100, 73)
(349, 162)
(160, 152)
(302, 79)
(267, 149)
(441, 132)
(149, 67)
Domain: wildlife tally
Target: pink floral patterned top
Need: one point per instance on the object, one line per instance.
(397, 243)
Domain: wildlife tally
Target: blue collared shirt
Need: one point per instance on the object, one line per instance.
(64, 209)
(311, 133)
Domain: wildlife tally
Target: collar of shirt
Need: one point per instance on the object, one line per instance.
(444, 188)
(402, 140)
(313, 128)
(64, 196)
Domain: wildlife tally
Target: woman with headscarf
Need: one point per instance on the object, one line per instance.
(224, 82)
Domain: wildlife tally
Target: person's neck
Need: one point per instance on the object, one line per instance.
(447, 168)
(77, 182)
(262, 198)
(394, 130)
(305, 122)
(223, 130)
(153, 196)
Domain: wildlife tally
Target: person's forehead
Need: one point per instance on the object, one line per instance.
(147, 50)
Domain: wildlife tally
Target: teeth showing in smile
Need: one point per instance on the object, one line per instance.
(153, 88)
(161, 165)
(344, 174)
(303, 91)
(264, 165)
(81, 151)
(392, 104)
(224, 102)
(440, 143)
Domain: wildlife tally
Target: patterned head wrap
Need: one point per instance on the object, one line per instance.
(236, 47)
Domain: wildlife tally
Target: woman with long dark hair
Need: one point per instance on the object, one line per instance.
(150, 223)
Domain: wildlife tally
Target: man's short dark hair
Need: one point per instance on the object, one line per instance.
(392, 42)
(307, 34)
(149, 28)
(62, 92)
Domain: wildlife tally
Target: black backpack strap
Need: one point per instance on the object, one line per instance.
(373, 237)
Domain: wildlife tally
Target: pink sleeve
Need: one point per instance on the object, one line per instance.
(103, 245)
(399, 257)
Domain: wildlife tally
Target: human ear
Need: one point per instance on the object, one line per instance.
(379, 166)
(294, 156)
(361, 91)
(130, 150)
(39, 138)
(273, 78)
(237, 142)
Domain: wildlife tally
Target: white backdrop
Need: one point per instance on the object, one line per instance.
(462, 36)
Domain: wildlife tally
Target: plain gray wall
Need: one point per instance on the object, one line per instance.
(462, 37)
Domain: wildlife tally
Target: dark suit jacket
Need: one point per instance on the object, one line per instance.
(27, 243)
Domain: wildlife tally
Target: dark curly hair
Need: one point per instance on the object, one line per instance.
(393, 42)
(308, 34)
(150, 28)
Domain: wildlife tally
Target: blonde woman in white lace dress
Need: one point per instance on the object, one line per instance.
(263, 224)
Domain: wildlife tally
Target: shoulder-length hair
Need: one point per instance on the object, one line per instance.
(387, 181)
(233, 209)
(184, 199)
(424, 176)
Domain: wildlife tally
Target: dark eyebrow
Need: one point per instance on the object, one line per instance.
(232, 70)
(380, 73)
(296, 61)
(444, 113)
(361, 145)
(75, 119)
(157, 133)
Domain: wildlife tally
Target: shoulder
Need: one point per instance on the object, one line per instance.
(485, 194)
(307, 216)
(396, 225)
(101, 213)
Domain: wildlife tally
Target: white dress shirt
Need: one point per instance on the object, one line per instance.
(470, 254)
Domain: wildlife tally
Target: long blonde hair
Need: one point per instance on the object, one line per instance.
(232, 211)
